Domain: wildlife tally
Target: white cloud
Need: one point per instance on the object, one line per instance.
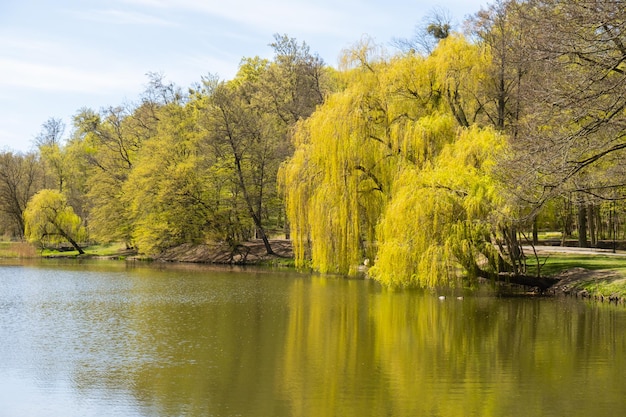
(288, 15)
(122, 17)
(49, 77)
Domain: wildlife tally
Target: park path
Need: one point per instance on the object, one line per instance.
(528, 250)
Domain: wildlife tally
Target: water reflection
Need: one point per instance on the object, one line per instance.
(139, 341)
(409, 354)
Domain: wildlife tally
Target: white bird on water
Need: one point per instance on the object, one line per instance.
(443, 297)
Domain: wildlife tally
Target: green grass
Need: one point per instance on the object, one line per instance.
(556, 263)
(114, 249)
(605, 287)
(613, 283)
(279, 263)
(546, 235)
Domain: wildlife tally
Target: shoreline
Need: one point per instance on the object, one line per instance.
(604, 285)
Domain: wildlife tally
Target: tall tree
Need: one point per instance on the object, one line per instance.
(20, 179)
(393, 116)
(242, 142)
(557, 90)
(168, 192)
(576, 129)
(248, 121)
(50, 144)
(296, 81)
(108, 144)
(502, 32)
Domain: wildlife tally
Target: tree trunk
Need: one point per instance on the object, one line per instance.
(542, 283)
(583, 241)
(514, 249)
(266, 242)
(535, 231)
(567, 221)
(591, 222)
(256, 217)
(75, 245)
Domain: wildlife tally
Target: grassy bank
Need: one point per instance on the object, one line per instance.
(115, 250)
(594, 276)
(26, 250)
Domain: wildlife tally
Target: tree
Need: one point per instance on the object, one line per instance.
(248, 121)
(169, 193)
(392, 116)
(435, 26)
(501, 31)
(503, 37)
(243, 143)
(49, 220)
(295, 83)
(557, 90)
(20, 179)
(396, 168)
(575, 129)
(443, 216)
(108, 143)
(50, 144)
(51, 132)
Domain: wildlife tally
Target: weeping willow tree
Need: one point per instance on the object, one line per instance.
(397, 168)
(50, 220)
(441, 218)
(335, 187)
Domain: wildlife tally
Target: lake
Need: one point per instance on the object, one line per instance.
(109, 338)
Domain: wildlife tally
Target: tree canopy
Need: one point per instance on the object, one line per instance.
(391, 169)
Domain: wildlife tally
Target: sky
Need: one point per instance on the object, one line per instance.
(59, 56)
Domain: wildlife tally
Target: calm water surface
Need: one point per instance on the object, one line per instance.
(117, 339)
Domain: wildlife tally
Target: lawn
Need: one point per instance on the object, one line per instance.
(605, 276)
(555, 263)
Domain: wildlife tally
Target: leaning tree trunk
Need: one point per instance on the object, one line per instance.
(512, 251)
(69, 238)
(256, 217)
(541, 283)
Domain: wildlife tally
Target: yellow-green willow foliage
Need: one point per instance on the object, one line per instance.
(390, 161)
(440, 218)
(49, 219)
(325, 182)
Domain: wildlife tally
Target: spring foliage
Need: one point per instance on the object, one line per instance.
(390, 169)
(50, 220)
(440, 218)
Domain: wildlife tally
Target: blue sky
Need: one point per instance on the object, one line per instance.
(59, 56)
